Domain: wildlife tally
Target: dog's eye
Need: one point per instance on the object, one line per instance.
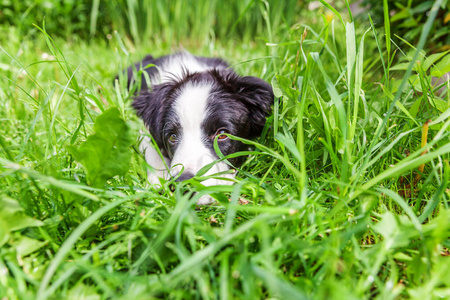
(172, 138)
(220, 133)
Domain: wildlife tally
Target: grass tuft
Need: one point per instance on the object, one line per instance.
(344, 196)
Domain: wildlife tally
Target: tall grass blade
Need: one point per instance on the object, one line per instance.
(333, 10)
(387, 30)
(94, 16)
(425, 31)
(68, 244)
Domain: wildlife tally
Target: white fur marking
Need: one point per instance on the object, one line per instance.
(191, 153)
(190, 107)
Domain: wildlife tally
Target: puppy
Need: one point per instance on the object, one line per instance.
(189, 102)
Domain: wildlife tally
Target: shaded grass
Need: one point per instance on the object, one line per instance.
(326, 206)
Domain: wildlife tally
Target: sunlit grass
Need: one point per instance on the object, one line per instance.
(345, 195)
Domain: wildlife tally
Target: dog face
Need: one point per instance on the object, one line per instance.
(185, 116)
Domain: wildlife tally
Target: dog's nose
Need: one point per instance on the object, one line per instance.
(184, 176)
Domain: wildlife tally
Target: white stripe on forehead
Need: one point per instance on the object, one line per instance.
(190, 106)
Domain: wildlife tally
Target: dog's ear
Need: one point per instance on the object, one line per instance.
(257, 95)
(151, 107)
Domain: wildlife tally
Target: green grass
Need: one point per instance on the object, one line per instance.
(332, 202)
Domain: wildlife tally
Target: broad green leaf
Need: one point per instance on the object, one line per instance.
(107, 152)
(430, 60)
(12, 218)
(400, 67)
(411, 56)
(25, 245)
(283, 86)
(397, 230)
(13, 214)
(400, 15)
(442, 67)
(277, 91)
(440, 105)
(422, 7)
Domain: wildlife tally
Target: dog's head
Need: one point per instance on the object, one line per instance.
(185, 116)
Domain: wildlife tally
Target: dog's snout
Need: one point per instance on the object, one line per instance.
(184, 176)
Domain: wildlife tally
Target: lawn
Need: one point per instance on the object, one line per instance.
(344, 196)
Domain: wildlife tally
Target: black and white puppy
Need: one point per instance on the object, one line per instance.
(192, 100)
